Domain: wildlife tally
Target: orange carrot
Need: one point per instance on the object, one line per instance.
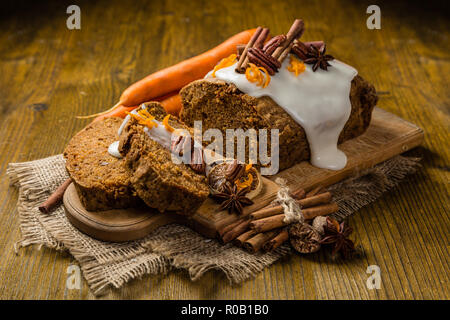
(172, 105)
(170, 80)
(119, 111)
(177, 76)
(164, 97)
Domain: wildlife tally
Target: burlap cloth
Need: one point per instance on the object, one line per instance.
(106, 264)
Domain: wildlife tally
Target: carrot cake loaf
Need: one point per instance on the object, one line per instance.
(312, 99)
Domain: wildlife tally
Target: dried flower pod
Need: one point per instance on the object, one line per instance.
(304, 238)
(313, 55)
(232, 199)
(336, 235)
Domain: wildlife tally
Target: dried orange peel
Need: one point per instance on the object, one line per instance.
(253, 73)
(246, 183)
(144, 118)
(224, 63)
(296, 66)
(166, 123)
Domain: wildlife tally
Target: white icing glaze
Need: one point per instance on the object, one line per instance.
(113, 149)
(160, 134)
(318, 101)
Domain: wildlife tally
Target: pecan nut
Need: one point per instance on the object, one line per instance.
(259, 58)
(300, 49)
(180, 145)
(198, 161)
(273, 43)
(234, 171)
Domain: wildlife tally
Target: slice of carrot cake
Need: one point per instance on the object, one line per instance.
(101, 180)
(166, 167)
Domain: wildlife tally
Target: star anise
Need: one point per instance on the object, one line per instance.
(337, 235)
(232, 199)
(312, 55)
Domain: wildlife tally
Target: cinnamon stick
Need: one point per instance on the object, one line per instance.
(315, 200)
(248, 46)
(285, 52)
(266, 212)
(255, 243)
(276, 241)
(236, 231)
(55, 198)
(239, 49)
(258, 44)
(239, 241)
(262, 38)
(228, 227)
(314, 191)
(269, 223)
(304, 203)
(322, 210)
(277, 221)
(294, 32)
(298, 194)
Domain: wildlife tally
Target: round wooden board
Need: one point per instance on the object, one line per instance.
(116, 225)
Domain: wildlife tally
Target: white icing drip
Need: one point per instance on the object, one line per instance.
(164, 137)
(160, 134)
(113, 149)
(318, 101)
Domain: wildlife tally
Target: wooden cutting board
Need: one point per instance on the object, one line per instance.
(387, 136)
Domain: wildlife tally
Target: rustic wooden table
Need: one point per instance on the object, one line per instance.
(49, 74)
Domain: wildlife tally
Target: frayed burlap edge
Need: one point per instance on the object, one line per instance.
(188, 250)
(30, 192)
(103, 264)
(111, 264)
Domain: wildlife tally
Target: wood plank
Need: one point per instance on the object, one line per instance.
(119, 225)
(387, 136)
(50, 74)
(116, 225)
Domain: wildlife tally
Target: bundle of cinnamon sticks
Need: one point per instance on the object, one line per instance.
(266, 228)
(269, 55)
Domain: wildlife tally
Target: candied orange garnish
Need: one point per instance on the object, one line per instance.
(246, 183)
(296, 66)
(143, 118)
(224, 63)
(254, 73)
(166, 123)
(145, 114)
